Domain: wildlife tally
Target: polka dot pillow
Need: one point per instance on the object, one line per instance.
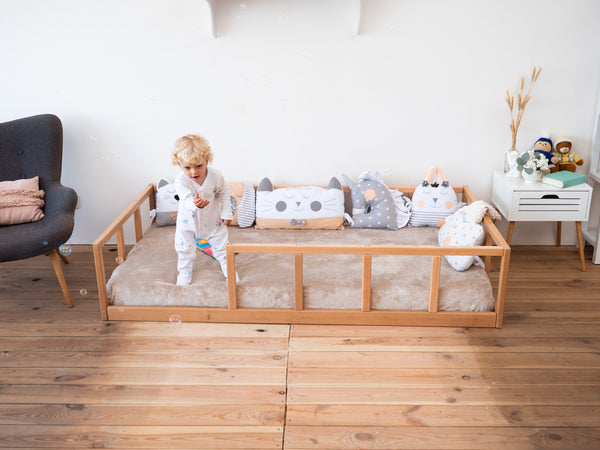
(459, 231)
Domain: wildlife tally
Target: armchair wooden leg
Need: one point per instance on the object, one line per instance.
(64, 258)
(61, 277)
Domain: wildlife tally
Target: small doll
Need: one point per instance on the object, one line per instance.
(566, 157)
(543, 146)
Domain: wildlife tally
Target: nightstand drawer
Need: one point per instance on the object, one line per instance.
(550, 205)
(550, 201)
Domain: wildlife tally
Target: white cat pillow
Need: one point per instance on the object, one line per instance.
(302, 207)
(167, 203)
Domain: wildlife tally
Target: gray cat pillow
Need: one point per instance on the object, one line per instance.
(372, 205)
(301, 207)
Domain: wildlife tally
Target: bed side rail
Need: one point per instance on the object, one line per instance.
(116, 228)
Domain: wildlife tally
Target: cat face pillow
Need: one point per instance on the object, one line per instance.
(167, 203)
(302, 207)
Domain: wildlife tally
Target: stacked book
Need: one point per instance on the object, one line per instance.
(564, 179)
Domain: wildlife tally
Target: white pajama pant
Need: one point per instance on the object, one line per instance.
(185, 245)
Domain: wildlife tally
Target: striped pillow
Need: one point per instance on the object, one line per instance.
(243, 204)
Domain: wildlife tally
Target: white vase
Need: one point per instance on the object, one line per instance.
(510, 163)
(533, 177)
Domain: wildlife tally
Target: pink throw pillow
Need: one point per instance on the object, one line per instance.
(21, 201)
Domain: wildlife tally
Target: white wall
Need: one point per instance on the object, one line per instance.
(287, 91)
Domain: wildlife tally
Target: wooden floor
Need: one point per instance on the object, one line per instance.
(69, 380)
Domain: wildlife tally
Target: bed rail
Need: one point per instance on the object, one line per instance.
(495, 246)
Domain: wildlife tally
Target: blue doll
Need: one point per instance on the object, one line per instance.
(543, 146)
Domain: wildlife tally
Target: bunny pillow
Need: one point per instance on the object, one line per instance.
(432, 202)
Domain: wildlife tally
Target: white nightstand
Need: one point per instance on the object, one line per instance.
(538, 202)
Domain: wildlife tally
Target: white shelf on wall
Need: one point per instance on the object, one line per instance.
(357, 4)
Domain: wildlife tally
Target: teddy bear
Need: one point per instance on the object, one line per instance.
(566, 157)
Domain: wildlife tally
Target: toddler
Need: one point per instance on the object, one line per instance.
(204, 205)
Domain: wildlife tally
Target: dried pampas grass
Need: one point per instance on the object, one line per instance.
(522, 100)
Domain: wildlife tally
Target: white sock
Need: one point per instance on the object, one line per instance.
(184, 279)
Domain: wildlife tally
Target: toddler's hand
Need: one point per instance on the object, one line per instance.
(200, 202)
(226, 221)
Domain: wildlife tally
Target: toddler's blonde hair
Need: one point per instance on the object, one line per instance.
(192, 149)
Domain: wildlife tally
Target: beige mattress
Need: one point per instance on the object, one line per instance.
(148, 275)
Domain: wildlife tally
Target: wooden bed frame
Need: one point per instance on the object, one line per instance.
(495, 246)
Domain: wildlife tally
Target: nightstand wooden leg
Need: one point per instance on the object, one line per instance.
(580, 243)
(558, 233)
(511, 228)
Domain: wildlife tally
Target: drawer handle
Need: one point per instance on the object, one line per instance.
(550, 196)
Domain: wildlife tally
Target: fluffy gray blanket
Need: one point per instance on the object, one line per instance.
(148, 275)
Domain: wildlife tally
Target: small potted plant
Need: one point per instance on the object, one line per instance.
(532, 166)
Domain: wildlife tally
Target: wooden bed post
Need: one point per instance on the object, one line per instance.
(121, 243)
(366, 283)
(231, 283)
(298, 282)
(101, 279)
(502, 282)
(434, 288)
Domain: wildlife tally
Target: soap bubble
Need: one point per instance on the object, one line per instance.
(44, 242)
(83, 291)
(119, 260)
(175, 319)
(65, 250)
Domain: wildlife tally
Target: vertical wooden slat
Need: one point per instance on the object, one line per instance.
(231, 283)
(487, 260)
(298, 282)
(121, 243)
(434, 288)
(366, 283)
(137, 218)
(558, 233)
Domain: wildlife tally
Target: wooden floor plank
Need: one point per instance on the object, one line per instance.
(394, 378)
(546, 360)
(110, 358)
(149, 415)
(450, 343)
(191, 437)
(447, 395)
(364, 415)
(155, 376)
(143, 395)
(441, 437)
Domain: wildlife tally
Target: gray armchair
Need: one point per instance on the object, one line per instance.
(28, 147)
